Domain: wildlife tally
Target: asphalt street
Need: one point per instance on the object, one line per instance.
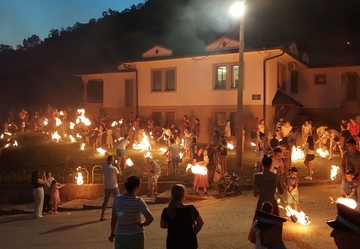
(227, 223)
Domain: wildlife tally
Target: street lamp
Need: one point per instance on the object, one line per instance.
(237, 9)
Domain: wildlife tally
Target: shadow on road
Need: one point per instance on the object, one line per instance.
(64, 228)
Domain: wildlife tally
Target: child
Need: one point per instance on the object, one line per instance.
(54, 196)
(350, 189)
(309, 149)
(291, 185)
(266, 207)
(109, 139)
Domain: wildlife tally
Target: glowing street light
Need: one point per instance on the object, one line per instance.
(237, 10)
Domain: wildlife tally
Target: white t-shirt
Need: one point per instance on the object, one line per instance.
(122, 145)
(174, 150)
(110, 176)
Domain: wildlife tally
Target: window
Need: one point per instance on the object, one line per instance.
(129, 92)
(220, 76)
(170, 80)
(94, 91)
(220, 117)
(294, 82)
(163, 80)
(156, 81)
(157, 118)
(235, 77)
(169, 118)
(281, 76)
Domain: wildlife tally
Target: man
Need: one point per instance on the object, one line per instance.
(196, 130)
(350, 160)
(152, 171)
(110, 183)
(286, 129)
(346, 227)
(278, 127)
(46, 186)
(334, 137)
(22, 116)
(227, 131)
(174, 155)
(270, 230)
(121, 152)
(166, 134)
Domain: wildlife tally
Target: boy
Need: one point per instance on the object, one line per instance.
(350, 189)
(291, 185)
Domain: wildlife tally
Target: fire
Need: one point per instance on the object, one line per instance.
(197, 169)
(297, 154)
(58, 122)
(15, 143)
(334, 171)
(82, 118)
(72, 125)
(8, 133)
(82, 146)
(347, 202)
(79, 177)
(101, 151)
(162, 149)
(182, 143)
(6, 145)
(299, 217)
(181, 155)
(78, 135)
(72, 139)
(143, 145)
(46, 121)
(253, 144)
(55, 138)
(61, 113)
(230, 146)
(129, 162)
(322, 153)
(2, 136)
(114, 123)
(147, 154)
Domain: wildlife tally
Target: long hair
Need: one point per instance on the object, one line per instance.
(177, 194)
(35, 176)
(310, 142)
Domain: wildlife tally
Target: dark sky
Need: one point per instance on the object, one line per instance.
(19, 19)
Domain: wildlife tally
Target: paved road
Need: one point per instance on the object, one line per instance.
(227, 222)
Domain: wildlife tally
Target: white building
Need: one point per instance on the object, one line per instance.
(276, 79)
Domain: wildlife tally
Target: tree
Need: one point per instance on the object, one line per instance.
(31, 42)
(4, 47)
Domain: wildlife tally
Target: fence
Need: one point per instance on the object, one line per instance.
(67, 175)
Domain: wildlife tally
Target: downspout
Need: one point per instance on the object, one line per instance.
(136, 87)
(264, 82)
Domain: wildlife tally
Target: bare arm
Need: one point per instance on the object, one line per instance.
(148, 219)
(163, 224)
(199, 224)
(352, 193)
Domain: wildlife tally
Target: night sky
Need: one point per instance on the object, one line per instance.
(19, 19)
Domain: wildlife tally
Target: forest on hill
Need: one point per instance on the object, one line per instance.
(38, 71)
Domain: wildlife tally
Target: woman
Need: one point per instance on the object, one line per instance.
(38, 192)
(309, 149)
(126, 217)
(265, 185)
(182, 221)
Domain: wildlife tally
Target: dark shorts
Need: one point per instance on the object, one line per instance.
(121, 152)
(253, 134)
(110, 191)
(309, 158)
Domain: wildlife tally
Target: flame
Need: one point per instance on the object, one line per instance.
(182, 142)
(55, 137)
(322, 153)
(58, 121)
(334, 171)
(6, 145)
(79, 177)
(181, 155)
(143, 145)
(78, 135)
(82, 118)
(61, 113)
(297, 154)
(72, 139)
(120, 121)
(46, 121)
(151, 136)
(2, 136)
(300, 217)
(72, 125)
(129, 162)
(162, 149)
(197, 169)
(15, 143)
(253, 144)
(230, 146)
(148, 154)
(65, 135)
(101, 151)
(82, 146)
(114, 123)
(347, 202)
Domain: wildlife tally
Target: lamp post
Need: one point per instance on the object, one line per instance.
(237, 9)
